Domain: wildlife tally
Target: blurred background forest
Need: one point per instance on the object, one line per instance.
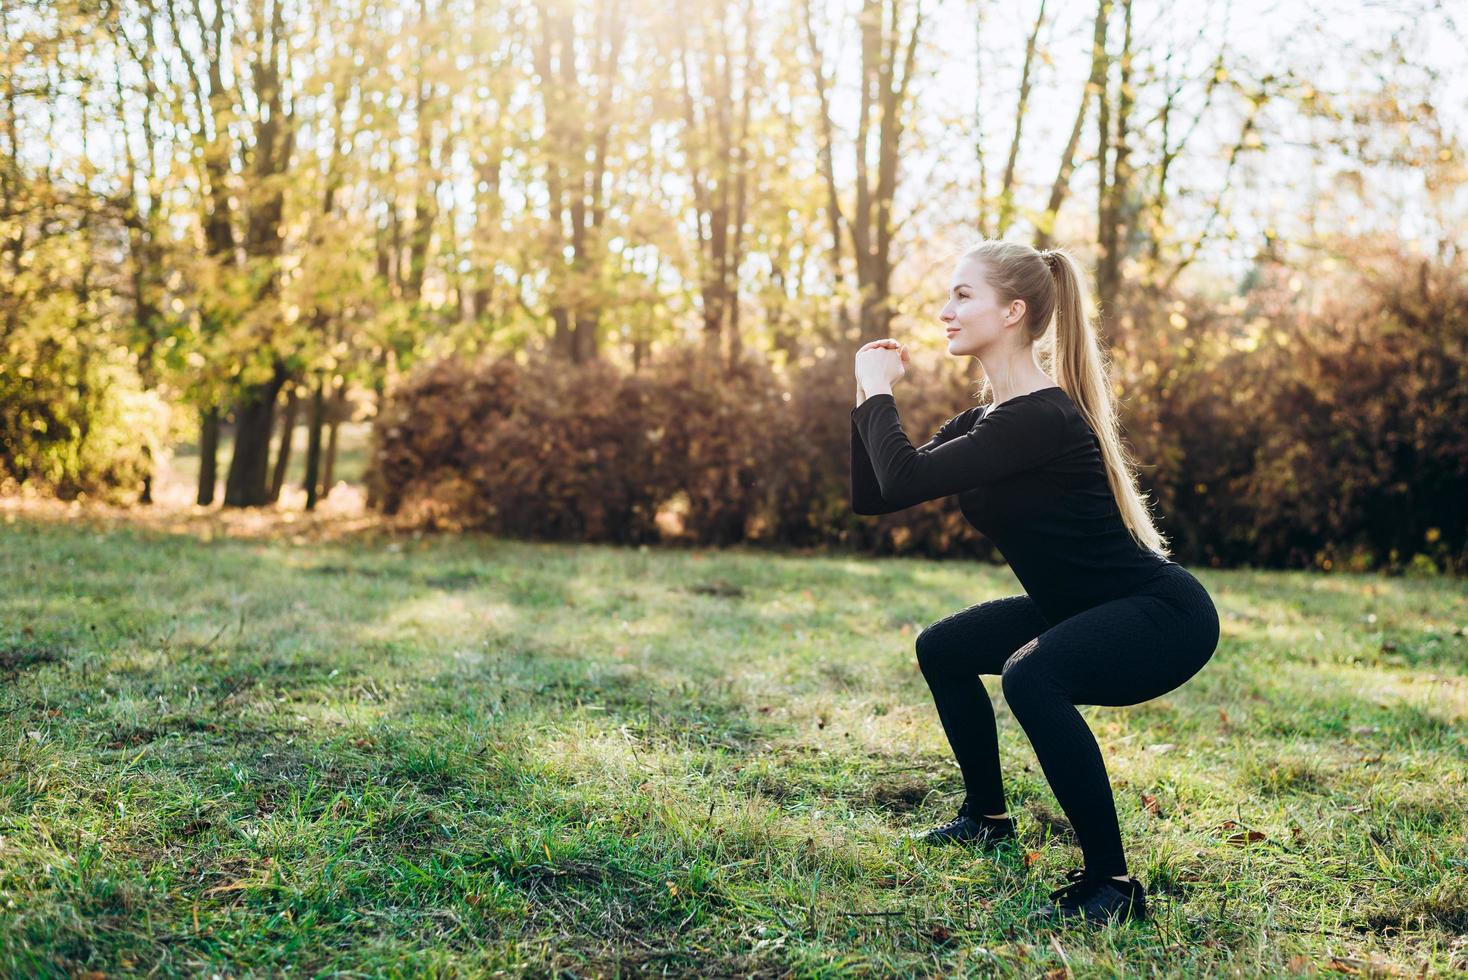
(597, 269)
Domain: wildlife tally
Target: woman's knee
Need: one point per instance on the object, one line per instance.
(1020, 676)
(932, 652)
(977, 639)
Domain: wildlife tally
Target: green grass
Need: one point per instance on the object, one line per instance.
(450, 756)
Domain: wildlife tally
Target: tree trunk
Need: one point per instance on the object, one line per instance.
(245, 486)
(1021, 110)
(1060, 187)
(887, 60)
(425, 210)
(337, 405)
(841, 314)
(585, 341)
(208, 455)
(283, 454)
(313, 444)
(328, 471)
(1113, 220)
(146, 496)
(274, 138)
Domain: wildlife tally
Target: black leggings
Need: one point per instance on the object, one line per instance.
(1121, 652)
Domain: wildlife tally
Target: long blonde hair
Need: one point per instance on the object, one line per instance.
(1053, 285)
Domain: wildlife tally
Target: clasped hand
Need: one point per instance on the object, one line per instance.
(880, 364)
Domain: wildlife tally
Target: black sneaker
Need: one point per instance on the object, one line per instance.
(1095, 900)
(985, 832)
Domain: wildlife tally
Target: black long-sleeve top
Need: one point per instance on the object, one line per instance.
(1029, 476)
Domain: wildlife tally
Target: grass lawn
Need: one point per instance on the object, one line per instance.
(384, 755)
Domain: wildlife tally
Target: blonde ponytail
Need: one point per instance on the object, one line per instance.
(1053, 285)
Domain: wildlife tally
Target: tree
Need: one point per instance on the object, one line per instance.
(579, 113)
(268, 156)
(716, 146)
(888, 52)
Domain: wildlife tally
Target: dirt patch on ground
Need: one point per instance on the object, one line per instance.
(899, 795)
(338, 518)
(18, 657)
(1052, 824)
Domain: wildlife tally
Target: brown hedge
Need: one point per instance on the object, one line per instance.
(1280, 433)
(682, 450)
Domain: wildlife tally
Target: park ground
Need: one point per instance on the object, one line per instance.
(268, 743)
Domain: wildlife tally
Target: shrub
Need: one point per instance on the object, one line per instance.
(1278, 431)
(75, 419)
(1271, 431)
(589, 453)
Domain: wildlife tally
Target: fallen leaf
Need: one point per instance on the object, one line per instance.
(1342, 964)
(1243, 837)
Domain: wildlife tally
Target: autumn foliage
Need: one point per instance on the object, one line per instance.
(1269, 431)
(1325, 434)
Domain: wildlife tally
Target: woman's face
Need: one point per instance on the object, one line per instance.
(974, 316)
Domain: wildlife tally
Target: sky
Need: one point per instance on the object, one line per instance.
(1327, 43)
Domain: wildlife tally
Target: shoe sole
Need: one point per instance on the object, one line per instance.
(1044, 918)
(978, 845)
